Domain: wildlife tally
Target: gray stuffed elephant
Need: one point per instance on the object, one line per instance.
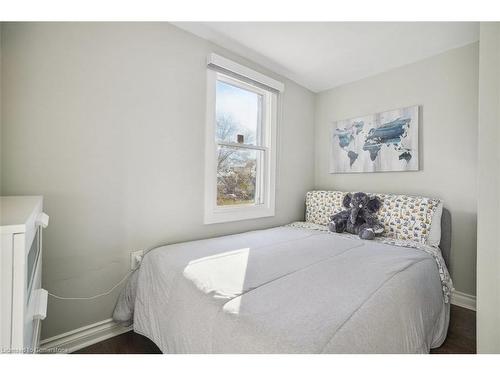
(359, 217)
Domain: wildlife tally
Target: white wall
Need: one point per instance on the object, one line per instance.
(488, 244)
(446, 88)
(107, 122)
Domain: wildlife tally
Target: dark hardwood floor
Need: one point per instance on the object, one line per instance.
(461, 339)
(126, 343)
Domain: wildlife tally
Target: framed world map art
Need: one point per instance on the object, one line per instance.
(382, 142)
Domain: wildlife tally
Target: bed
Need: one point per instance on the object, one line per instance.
(291, 289)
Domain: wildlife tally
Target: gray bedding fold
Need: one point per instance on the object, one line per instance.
(287, 290)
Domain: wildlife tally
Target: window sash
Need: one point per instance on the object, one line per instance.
(260, 138)
(261, 119)
(260, 179)
(241, 145)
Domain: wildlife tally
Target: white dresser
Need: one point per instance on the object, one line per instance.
(23, 303)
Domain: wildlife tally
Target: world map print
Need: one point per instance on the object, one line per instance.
(382, 142)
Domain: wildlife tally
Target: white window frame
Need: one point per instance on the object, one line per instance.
(265, 203)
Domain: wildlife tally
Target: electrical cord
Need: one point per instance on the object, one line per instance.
(96, 296)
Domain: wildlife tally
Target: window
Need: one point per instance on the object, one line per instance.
(240, 144)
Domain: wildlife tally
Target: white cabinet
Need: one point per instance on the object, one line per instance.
(23, 303)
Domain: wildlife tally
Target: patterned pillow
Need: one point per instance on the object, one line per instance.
(320, 205)
(404, 217)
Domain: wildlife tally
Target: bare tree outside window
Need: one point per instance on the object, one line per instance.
(236, 168)
(238, 126)
(240, 164)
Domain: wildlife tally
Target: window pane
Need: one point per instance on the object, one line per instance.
(238, 114)
(237, 177)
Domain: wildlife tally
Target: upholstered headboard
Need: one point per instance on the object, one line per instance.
(445, 244)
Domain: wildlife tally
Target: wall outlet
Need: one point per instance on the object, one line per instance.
(136, 259)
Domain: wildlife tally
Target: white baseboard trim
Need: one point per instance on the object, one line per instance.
(463, 300)
(81, 337)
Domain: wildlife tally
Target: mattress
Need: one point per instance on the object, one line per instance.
(287, 290)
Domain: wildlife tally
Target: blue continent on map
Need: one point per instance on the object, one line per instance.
(352, 157)
(387, 134)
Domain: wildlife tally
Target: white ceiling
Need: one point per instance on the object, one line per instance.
(322, 55)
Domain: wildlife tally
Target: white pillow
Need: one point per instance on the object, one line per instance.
(434, 238)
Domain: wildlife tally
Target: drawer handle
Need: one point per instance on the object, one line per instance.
(42, 220)
(40, 306)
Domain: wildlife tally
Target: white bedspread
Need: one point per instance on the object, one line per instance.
(287, 290)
